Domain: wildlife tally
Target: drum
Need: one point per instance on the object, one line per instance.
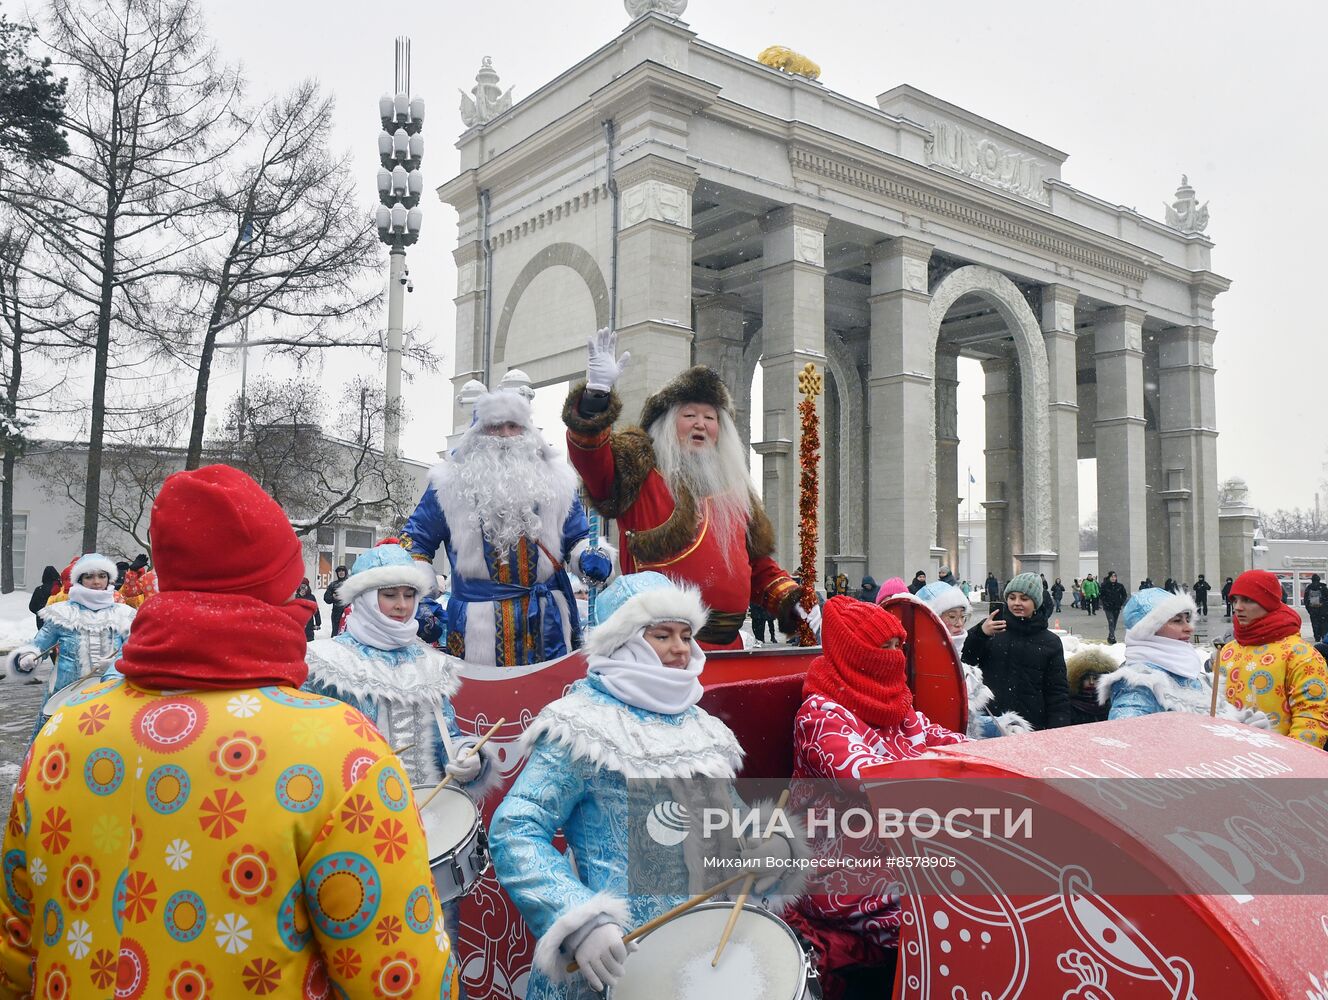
(59, 699)
(458, 844)
(764, 960)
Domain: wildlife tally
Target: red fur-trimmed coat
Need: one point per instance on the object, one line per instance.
(851, 928)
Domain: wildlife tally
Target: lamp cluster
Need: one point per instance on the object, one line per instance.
(400, 183)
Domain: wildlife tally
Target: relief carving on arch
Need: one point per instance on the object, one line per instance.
(978, 157)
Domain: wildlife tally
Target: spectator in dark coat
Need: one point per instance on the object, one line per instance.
(1226, 596)
(1169, 585)
(1315, 599)
(43, 592)
(1201, 589)
(304, 592)
(762, 623)
(331, 596)
(1057, 593)
(919, 581)
(1021, 661)
(869, 589)
(1113, 597)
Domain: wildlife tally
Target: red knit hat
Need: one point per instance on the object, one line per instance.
(216, 530)
(855, 670)
(1260, 586)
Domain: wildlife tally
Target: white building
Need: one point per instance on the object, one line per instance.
(718, 210)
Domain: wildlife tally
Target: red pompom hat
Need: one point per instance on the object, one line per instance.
(228, 563)
(1260, 586)
(214, 529)
(854, 669)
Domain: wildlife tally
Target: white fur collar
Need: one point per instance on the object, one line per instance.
(467, 540)
(598, 728)
(396, 680)
(67, 614)
(1164, 686)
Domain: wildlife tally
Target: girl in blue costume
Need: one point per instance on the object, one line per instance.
(379, 666)
(633, 718)
(89, 629)
(1163, 671)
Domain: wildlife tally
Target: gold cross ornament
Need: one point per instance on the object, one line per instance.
(810, 381)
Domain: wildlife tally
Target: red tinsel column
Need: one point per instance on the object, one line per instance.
(810, 385)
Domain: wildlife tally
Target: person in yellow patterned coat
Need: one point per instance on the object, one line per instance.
(1269, 666)
(201, 828)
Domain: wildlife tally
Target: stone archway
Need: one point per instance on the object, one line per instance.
(555, 255)
(1014, 310)
(852, 411)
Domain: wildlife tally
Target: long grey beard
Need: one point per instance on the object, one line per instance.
(705, 477)
(505, 484)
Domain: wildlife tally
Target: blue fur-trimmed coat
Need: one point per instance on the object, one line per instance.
(407, 694)
(83, 638)
(504, 609)
(1135, 689)
(583, 748)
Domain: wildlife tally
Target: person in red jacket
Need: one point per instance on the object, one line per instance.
(679, 489)
(857, 711)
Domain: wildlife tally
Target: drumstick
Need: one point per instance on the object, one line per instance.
(741, 901)
(466, 756)
(668, 915)
(398, 751)
(1217, 676)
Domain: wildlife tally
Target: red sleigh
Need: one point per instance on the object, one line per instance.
(1069, 936)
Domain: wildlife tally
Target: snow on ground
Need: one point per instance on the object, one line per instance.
(17, 625)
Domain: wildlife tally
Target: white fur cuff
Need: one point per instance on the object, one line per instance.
(11, 661)
(1012, 724)
(490, 776)
(793, 879)
(549, 958)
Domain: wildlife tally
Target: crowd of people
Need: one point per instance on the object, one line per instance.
(227, 807)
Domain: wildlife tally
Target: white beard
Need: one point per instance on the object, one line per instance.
(715, 472)
(504, 484)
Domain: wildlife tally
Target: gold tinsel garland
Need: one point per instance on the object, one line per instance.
(810, 384)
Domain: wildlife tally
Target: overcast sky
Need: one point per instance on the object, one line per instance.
(1136, 92)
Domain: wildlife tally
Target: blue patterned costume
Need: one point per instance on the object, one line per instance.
(583, 749)
(87, 641)
(506, 608)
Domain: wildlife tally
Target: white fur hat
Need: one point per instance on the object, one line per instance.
(503, 406)
(387, 565)
(93, 562)
(633, 602)
(1150, 609)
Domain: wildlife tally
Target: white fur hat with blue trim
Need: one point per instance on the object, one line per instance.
(943, 597)
(387, 564)
(93, 562)
(1148, 610)
(633, 602)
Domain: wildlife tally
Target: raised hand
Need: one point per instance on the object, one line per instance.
(603, 366)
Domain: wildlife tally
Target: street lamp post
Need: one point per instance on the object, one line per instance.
(398, 217)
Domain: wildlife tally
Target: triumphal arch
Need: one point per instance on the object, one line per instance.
(717, 209)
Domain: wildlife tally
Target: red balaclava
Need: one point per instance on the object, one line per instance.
(1265, 590)
(854, 670)
(228, 563)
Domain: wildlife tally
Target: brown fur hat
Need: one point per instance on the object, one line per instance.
(1090, 659)
(700, 384)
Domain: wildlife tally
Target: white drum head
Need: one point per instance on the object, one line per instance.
(448, 820)
(762, 961)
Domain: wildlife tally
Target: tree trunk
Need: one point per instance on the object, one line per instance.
(194, 456)
(97, 431)
(7, 523)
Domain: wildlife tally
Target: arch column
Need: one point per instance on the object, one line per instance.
(719, 337)
(654, 274)
(469, 302)
(1122, 493)
(1058, 336)
(793, 334)
(1004, 488)
(947, 454)
(901, 411)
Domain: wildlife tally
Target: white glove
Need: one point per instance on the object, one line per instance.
(812, 617)
(27, 662)
(601, 956)
(768, 858)
(1247, 716)
(465, 769)
(603, 368)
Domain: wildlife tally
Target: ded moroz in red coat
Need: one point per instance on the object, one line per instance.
(857, 712)
(671, 533)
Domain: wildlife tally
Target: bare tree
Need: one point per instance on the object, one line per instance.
(150, 116)
(1088, 533)
(295, 245)
(30, 328)
(318, 479)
